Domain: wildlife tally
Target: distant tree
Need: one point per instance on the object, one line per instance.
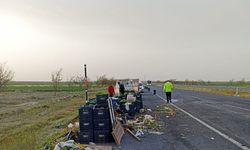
(201, 82)
(159, 81)
(6, 75)
(186, 82)
(79, 80)
(56, 78)
(103, 80)
(231, 82)
(243, 81)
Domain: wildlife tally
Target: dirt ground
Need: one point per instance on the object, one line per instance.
(27, 119)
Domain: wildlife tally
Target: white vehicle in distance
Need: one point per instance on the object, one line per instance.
(149, 82)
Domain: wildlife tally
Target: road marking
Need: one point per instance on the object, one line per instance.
(238, 144)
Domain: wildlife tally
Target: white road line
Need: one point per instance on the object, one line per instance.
(238, 144)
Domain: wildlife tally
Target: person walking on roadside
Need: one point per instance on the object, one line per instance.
(111, 90)
(167, 88)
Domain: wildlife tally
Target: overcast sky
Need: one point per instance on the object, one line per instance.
(148, 39)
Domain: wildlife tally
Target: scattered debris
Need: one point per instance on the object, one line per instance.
(142, 110)
(93, 147)
(212, 138)
(133, 135)
(70, 125)
(166, 109)
(150, 110)
(149, 120)
(139, 133)
(77, 124)
(155, 132)
(68, 145)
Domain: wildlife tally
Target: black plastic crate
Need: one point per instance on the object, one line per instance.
(102, 124)
(102, 99)
(138, 97)
(85, 112)
(102, 136)
(101, 113)
(86, 124)
(102, 106)
(132, 110)
(138, 105)
(123, 108)
(91, 102)
(86, 137)
(140, 101)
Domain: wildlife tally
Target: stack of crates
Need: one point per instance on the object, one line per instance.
(138, 103)
(101, 100)
(101, 119)
(86, 134)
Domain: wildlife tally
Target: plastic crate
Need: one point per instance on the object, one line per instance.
(138, 105)
(101, 113)
(86, 112)
(102, 106)
(86, 137)
(102, 136)
(91, 102)
(123, 108)
(138, 97)
(132, 110)
(102, 124)
(102, 99)
(86, 124)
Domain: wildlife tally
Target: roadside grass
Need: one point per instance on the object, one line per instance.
(24, 86)
(229, 84)
(40, 125)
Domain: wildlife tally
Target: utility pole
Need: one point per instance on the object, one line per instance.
(86, 82)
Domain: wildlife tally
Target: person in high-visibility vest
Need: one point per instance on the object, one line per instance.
(167, 88)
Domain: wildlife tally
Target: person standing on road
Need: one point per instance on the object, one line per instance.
(111, 90)
(121, 88)
(167, 88)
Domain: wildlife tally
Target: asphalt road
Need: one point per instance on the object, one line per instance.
(228, 115)
(220, 87)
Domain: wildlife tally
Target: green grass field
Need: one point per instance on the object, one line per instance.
(31, 116)
(43, 87)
